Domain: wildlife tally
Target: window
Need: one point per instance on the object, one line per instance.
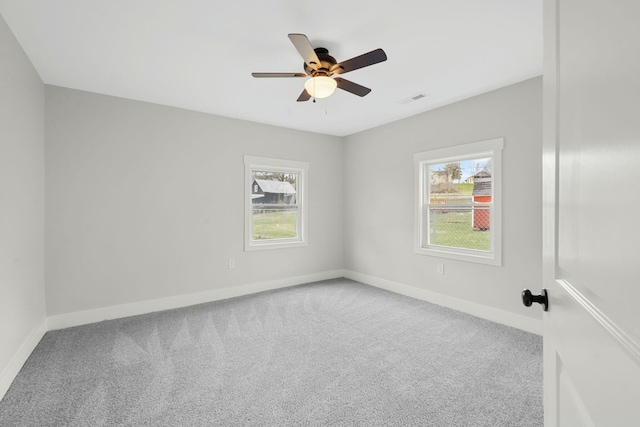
(458, 202)
(275, 214)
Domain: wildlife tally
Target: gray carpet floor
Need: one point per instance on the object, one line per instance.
(328, 353)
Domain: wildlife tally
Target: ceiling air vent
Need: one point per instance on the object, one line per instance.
(413, 98)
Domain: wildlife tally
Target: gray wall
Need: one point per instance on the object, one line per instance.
(22, 306)
(379, 202)
(146, 201)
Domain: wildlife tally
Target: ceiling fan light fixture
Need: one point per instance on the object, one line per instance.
(321, 86)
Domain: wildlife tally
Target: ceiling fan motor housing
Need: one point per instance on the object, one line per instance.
(326, 64)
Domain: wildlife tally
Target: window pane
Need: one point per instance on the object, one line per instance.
(467, 183)
(275, 209)
(460, 227)
(455, 182)
(269, 187)
(274, 222)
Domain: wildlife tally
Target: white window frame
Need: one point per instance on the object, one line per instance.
(489, 148)
(252, 163)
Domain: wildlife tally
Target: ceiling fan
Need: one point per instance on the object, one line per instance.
(320, 66)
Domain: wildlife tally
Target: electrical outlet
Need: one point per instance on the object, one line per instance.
(440, 268)
(232, 263)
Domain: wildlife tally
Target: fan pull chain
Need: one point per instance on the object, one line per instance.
(314, 89)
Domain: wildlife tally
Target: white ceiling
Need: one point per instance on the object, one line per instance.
(199, 54)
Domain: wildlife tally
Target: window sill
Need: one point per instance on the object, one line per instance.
(266, 245)
(460, 255)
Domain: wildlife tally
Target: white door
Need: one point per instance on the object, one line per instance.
(591, 212)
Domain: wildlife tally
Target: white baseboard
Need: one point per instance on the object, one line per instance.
(78, 318)
(21, 356)
(495, 315)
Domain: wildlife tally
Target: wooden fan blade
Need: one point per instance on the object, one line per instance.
(302, 44)
(304, 96)
(352, 87)
(361, 61)
(261, 75)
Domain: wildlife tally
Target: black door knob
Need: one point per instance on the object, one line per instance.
(528, 298)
